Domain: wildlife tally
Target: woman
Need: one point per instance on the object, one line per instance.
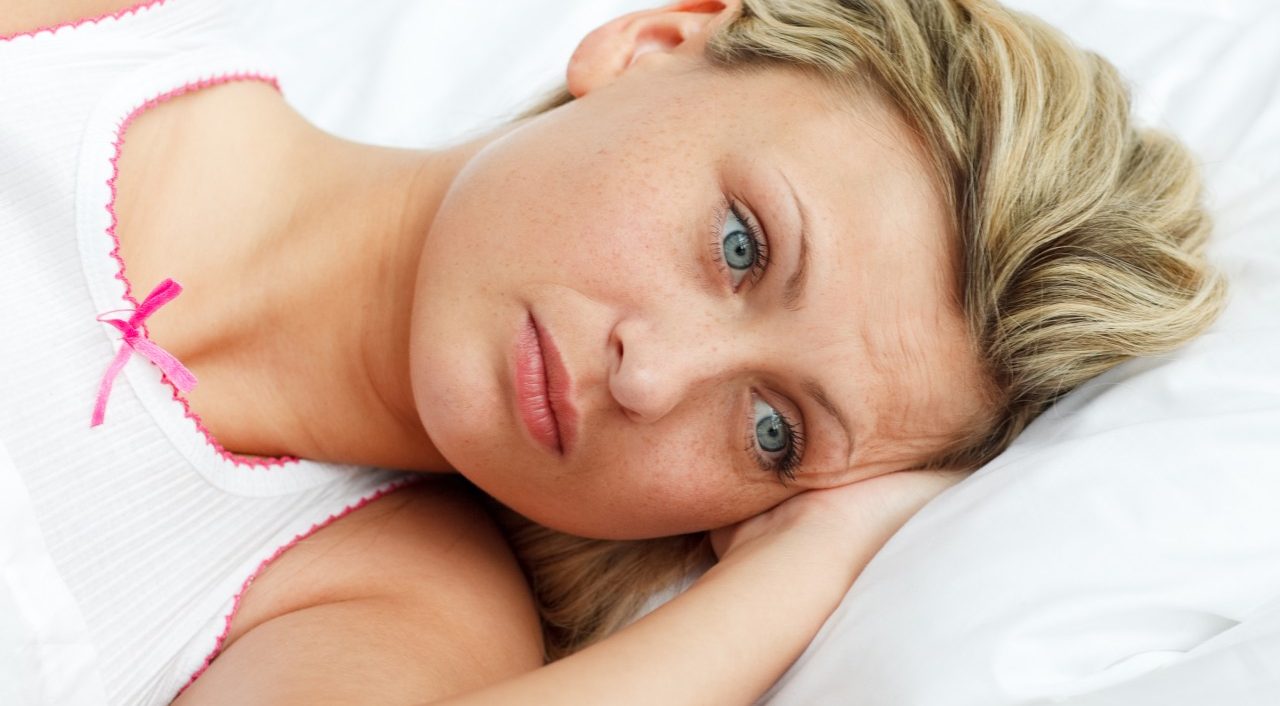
(759, 266)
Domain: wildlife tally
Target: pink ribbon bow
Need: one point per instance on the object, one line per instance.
(182, 378)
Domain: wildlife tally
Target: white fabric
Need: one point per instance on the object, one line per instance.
(1122, 552)
(47, 655)
(1127, 548)
(122, 547)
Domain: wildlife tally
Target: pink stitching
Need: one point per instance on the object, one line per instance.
(235, 606)
(51, 29)
(128, 287)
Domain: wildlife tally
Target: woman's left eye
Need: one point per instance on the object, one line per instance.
(776, 442)
(742, 247)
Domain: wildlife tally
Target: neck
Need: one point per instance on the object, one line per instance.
(308, 353)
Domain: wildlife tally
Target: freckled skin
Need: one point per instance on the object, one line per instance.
(600, 217)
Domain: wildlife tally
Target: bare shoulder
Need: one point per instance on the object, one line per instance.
(417, 592)
(18, 16)
(430, 542)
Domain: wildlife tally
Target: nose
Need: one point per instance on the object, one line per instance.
(657, 364)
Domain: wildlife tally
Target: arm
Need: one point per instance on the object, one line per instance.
(740, 626)
(725, 640)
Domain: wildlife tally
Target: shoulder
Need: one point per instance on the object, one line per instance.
(430, 543)
(20, 16)
(419, 585)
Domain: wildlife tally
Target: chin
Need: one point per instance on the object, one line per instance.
(609, 526)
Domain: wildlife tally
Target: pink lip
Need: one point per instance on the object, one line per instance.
(543, 389)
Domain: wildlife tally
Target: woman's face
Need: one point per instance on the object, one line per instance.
(625, 224)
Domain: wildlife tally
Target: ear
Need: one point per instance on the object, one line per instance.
(613, 48)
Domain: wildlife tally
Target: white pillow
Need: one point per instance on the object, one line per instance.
(419, 74)
(1136, 524)
(1134, 527)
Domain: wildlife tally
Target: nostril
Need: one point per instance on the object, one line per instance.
(615, 346)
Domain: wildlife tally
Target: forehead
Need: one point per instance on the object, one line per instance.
(884, 285)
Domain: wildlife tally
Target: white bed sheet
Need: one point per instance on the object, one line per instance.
(1126, 549)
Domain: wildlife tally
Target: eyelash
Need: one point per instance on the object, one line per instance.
(786, 467)
(757, 237)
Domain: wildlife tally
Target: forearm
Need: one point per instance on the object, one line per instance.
(725, 640)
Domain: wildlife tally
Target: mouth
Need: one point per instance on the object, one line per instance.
(543, 389)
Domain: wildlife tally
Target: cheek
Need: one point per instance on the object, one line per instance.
(633, 499)
(649, 481)
(610, 218)
(586, 202)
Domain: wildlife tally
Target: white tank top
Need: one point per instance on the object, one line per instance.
(152, 529)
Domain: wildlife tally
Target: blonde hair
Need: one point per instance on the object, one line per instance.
(1081, 235)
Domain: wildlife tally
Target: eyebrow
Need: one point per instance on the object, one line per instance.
(814, 389)
(793, 290)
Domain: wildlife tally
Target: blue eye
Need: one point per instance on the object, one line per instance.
(742, 249)
(739, 248)
(776, 442)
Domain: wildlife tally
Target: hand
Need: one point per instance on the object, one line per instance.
(869, 511)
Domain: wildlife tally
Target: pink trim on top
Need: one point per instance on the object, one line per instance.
(128, 287)
(87, 20)
(235, 606)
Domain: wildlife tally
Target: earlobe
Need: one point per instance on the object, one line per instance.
(613, 48)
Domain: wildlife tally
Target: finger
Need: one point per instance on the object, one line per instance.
(721, 540)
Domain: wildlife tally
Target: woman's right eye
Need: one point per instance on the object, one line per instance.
(742, 249)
